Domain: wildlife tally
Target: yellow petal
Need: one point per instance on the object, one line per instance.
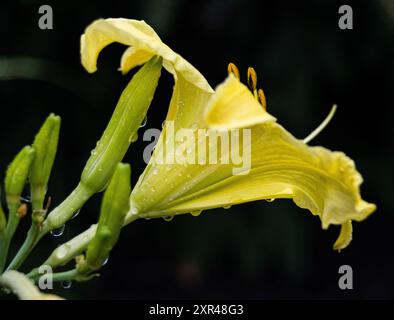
(191, 90)
(345, 236)
(324, 182)
(234, 106)
(132, 58)
(143, 38)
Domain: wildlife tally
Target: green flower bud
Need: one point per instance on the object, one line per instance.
(45, 146)
(122, 128)
(17, 174)
(114, 208)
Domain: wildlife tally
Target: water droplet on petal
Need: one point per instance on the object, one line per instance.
(270, 200)
(147, 219)
(194, 126)
(168, 218)
(93, 152)
(153, 189)
(196, 213)
(58, 232)
(226, 207)
(105, 262)
(133, 137)
(66, 284)
(143, 124)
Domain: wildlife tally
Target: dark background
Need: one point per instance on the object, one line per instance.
(255, 251)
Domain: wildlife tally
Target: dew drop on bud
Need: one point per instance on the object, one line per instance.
(270, 200)
(76, 214)
(226, 207)
(133, 137)
(143, 124)
(105, 262)
(25, 199)
(58, 232)
(168, 218)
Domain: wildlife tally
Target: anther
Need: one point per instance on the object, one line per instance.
(232, 69)
(262, 99)
(252, 79)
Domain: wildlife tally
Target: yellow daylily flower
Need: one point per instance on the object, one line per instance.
(281, 166)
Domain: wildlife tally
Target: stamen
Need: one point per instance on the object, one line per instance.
(252, 79)
(321, 127)
(262, 99)
(232, 69)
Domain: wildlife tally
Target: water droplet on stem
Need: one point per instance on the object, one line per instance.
(58, 232)
(66, 284)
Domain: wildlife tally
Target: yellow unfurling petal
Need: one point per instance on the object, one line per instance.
(345, 236)
(141, 37)
(132, 58)
(233, 106)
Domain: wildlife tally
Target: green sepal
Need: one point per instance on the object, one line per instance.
(123, 126)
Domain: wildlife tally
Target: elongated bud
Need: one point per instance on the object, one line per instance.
(123, 126)
(45, 146)
(114, 208)
(17, 174)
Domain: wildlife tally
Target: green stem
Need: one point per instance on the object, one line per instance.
(67, 251)
(12, 224)
(60, 215)
(26, 248)
(65, 276)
